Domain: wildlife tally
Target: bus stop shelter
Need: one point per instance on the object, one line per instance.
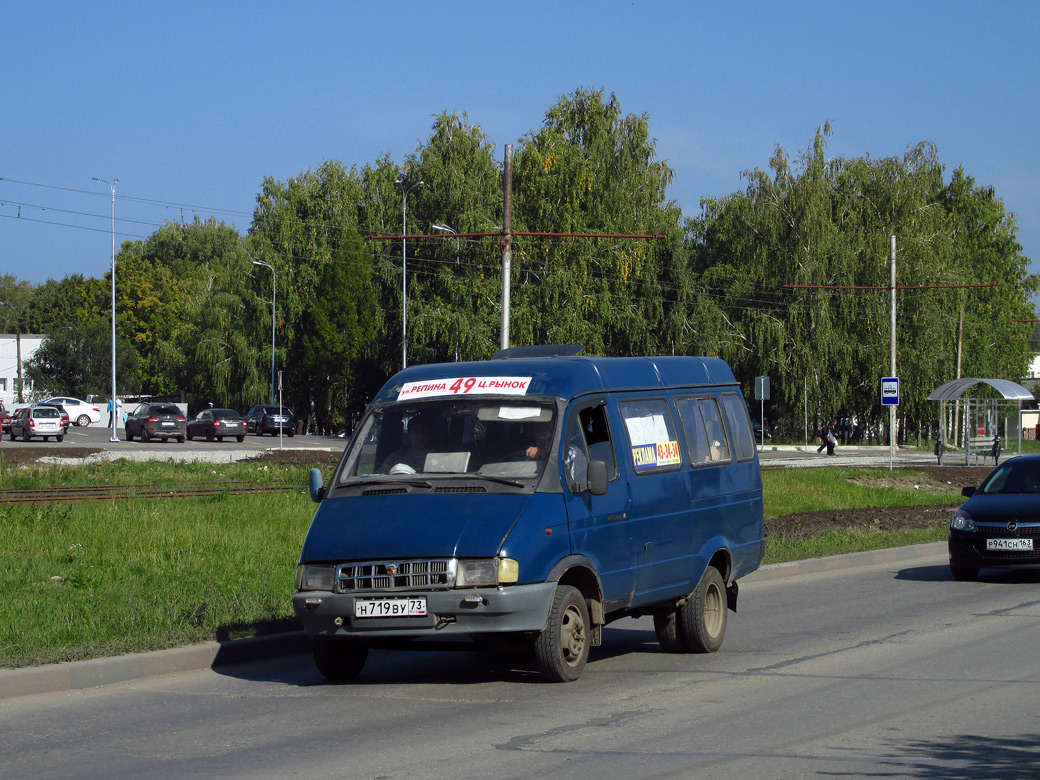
(980, 426)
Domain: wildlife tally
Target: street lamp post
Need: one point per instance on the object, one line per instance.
(115, 405)
(400, 182)
(455, 233)
(274, 297)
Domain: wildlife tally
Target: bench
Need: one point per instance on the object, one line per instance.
(980, 446)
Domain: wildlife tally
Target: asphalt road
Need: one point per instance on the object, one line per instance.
(891, 670)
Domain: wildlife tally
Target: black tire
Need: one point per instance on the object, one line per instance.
(26, 436)
(702, 617)
(220, 438)
(190, 436)
(241, 438)
(145, 435)
(209, 436)
(129, 436)
(339, 660)
(666, 624)
(59, 438)
(83, 421)
(964, 573)
(292, 432)
(180, 440)
(562, 649)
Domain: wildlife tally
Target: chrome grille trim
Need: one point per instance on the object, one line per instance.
(436, 574)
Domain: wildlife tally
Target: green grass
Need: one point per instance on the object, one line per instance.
(86, 580)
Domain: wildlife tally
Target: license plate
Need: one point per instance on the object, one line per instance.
(1009, 544)
(412, 606)
(167, 424)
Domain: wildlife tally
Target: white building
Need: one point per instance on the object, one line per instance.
(13, 347)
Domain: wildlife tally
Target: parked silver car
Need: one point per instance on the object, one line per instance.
(41, 421)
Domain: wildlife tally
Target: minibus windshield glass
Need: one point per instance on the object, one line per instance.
(506, 437)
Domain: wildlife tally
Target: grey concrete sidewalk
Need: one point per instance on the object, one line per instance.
(107, 671)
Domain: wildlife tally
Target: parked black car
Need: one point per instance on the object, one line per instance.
(156, 420)
(216, 424)
(999, 525)
(264, 418)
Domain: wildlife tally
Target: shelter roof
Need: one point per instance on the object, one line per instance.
(956, 388)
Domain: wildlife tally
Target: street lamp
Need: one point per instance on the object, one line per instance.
(115, 406)
(274, 297)
(400, 182)
(455, 233)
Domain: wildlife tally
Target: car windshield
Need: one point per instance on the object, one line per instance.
(224, 414)
(509, 438)
(1014, 476)
(48, 411)
(165, 410)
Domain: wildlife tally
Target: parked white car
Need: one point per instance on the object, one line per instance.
(80, 412)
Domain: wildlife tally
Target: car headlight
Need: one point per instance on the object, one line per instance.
(486, 572)
(962, 521)
(315, 577)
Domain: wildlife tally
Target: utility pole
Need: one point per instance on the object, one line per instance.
(507, 244)
(892, 408)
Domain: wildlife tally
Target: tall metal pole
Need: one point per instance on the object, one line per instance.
(507, 244)
(115, 404)
(274, 298)
(892, 408)
(400, 182)
(458, 249)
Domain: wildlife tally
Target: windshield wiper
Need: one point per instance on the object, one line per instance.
(365, 481)
(499, 480)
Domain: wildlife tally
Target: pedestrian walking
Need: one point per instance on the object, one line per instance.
(828, 435)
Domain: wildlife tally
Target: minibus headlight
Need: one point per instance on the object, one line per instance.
(481, 573)
(315, 577)
(486, 573)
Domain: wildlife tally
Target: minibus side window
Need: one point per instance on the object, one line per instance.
(705, 434)
(653, 443)
(588, 438)
(739, 425)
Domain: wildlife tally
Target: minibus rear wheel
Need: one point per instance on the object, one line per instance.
(702, 617)
(562, 649)
(339, 659)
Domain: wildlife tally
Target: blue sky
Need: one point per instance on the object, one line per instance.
(190, 105)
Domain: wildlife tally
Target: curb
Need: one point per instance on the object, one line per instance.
(77, 675)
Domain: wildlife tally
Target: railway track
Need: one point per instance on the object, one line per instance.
(75, 494)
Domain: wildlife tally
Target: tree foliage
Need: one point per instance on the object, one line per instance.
(788, 277)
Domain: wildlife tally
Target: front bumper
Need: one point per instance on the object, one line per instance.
(509, 609)
(968, 551)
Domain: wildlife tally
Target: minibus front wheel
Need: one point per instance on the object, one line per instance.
(562, 649)
(341, 659)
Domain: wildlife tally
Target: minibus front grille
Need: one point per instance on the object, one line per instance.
(396, 575)
(385, 491)
(470, 489)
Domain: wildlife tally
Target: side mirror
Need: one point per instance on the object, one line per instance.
(316, 485)
(597, 477)
(969, 491)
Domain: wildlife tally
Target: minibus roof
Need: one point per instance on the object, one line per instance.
(559, 377)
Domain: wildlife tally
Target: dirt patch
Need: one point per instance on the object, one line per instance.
(944, 480)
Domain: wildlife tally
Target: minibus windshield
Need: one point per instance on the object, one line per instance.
(506, 437)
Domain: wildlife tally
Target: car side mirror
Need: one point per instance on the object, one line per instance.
(969, 491)
(597, 477)
(316, 485)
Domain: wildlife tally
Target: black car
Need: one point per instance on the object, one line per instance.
(264, 418)
(156, 421)
(216, 424)
(999, 525)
